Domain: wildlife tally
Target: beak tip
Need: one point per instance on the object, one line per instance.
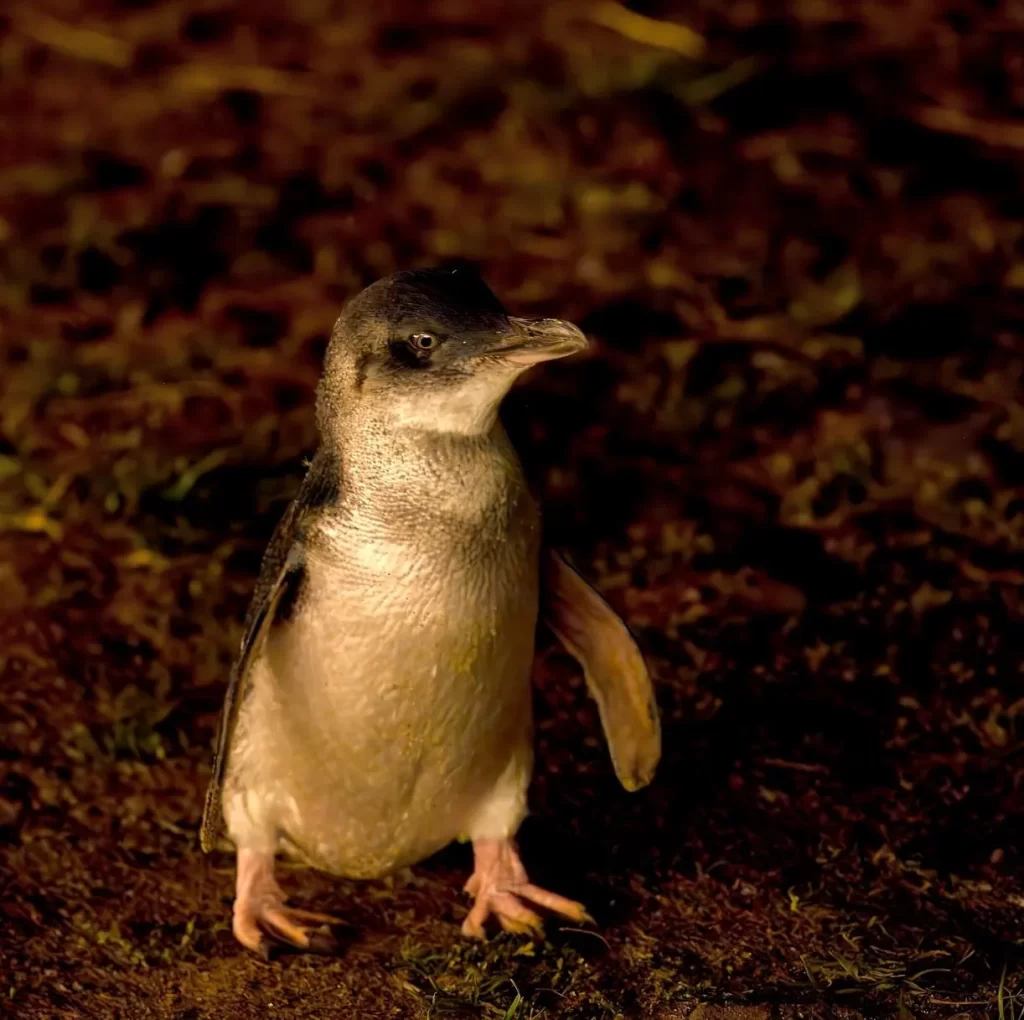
(546, 340)
(570, 338)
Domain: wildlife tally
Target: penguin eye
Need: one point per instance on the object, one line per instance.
(424, 341)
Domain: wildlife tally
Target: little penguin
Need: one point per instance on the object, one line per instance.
(380, 704)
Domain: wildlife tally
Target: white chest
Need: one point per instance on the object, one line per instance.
(388, 707)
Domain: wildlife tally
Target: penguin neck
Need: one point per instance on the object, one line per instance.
(449, 473)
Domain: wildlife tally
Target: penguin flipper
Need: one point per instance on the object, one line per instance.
(615, 671)
(281, 577)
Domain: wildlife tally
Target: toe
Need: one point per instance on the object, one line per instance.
(279, 925)
(247, 931)
(303, 929)
(514, 916)
(473, 926)
(555, 903)
(516, 927)
(511, 913)
(307, 916)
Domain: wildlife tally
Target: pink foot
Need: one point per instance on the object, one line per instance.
(499, 886)
(262, 920)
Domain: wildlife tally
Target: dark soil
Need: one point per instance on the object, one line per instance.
(794, 461)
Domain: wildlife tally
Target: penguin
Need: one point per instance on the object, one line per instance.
(380, 704)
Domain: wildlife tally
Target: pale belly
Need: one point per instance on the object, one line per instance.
(383, 718)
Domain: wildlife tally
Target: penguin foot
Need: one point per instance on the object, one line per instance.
(500, 887)
(261, 920)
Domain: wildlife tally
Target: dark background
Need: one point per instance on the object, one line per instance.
(794, 461)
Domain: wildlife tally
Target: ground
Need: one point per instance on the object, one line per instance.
(794, 461)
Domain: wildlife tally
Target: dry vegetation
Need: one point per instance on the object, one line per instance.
(794, 461)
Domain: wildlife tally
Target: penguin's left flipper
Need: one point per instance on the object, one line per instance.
(615, 671)
(281, 577)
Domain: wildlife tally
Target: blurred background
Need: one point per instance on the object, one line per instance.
(793, 460)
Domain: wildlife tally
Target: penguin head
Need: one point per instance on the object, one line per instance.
(433, 349)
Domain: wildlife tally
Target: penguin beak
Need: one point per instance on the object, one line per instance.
(535, 340)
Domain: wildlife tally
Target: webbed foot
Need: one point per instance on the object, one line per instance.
(500, 887)
(261, 919)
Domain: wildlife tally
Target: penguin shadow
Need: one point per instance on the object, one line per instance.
(614, 851)
(587, 837)
(748, 747)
